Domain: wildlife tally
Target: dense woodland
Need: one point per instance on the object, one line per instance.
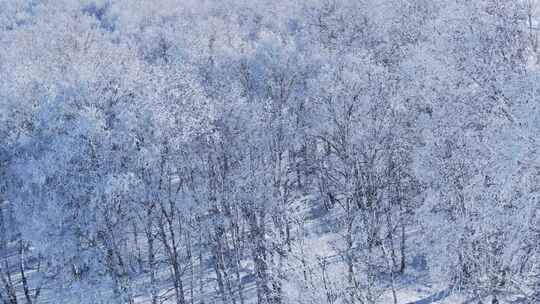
(269, 152)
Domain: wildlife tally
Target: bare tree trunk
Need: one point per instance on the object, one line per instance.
(140, 263)
(259, 255)
(402, 249)
(201, 266)
(237, 261)
(219, 274)
(5, 272)
(189, 258)
(390, 266)
(22, 271)
(150, 238)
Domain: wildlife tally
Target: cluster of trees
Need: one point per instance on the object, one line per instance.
(267, 151)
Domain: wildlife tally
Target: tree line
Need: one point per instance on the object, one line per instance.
(268, 152)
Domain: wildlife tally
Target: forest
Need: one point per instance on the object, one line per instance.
(269, 151)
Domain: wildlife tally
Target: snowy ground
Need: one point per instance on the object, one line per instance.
(415, 287)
